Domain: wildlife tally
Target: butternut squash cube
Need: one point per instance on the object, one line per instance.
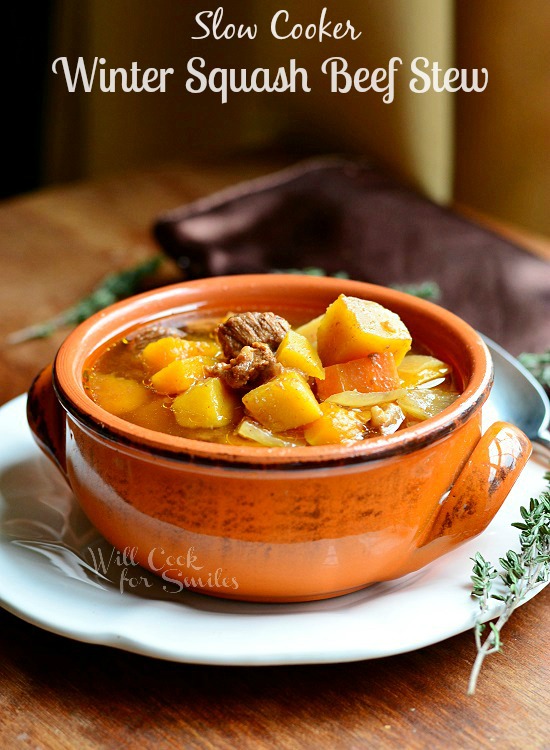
(353, 328)
(207, 404)
(297, 352)
(202, 349)
(116, 394)
(180, 375)
(337, 425)
(283, 403)
(154, 415)
(161, 353)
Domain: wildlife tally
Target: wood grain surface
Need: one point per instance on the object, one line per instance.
(56, 693)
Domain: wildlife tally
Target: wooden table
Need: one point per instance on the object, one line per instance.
(57, 693)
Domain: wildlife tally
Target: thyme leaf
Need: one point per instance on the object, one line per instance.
(110, 289)
(311, 271)
(520, 573)
(538, 365)
(424, 289)
(429, 290)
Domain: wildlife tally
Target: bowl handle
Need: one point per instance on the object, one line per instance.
(46, 419)
(480, 489)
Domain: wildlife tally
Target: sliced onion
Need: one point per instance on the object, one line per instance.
(252, 431)
(358, 400)
(416, 369)
(432, 383)
(420, 403)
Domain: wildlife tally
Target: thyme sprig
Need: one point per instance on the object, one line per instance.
(538, 365)
(520, 574)
(114, 287)
(311, 271)
(429, 290)
(424, 289)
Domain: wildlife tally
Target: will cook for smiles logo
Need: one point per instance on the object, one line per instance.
(179, 572)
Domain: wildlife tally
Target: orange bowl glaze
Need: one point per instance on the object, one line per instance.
(279, 524)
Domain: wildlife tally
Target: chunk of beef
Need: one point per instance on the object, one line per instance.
(245, 329)
(252, 366)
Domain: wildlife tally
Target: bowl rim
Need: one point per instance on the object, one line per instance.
(163, 302)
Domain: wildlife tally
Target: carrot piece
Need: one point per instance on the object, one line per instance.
(377, 372)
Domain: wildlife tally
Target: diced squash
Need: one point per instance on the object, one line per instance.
(283, 403)
(203, 349)
(179, 375)
(116, 394)
(297, 352)
(154, 415)
(352, 328)
(159, 354)
(416, 369)
(421, 403)
(309, 329)
(377, 372)
(207, 404)
(337, 425)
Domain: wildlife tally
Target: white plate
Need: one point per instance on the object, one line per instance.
(46, 578)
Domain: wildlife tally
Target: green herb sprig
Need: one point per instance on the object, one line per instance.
(424, 289)
(311, 271)
(520, 574)
(429, 290)
(114, 287)
(538, 365)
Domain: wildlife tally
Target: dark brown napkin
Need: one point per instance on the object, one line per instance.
(344, 216)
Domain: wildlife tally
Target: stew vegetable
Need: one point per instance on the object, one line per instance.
(252, 379)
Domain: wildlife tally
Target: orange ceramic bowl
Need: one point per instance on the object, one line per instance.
(279, 524)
